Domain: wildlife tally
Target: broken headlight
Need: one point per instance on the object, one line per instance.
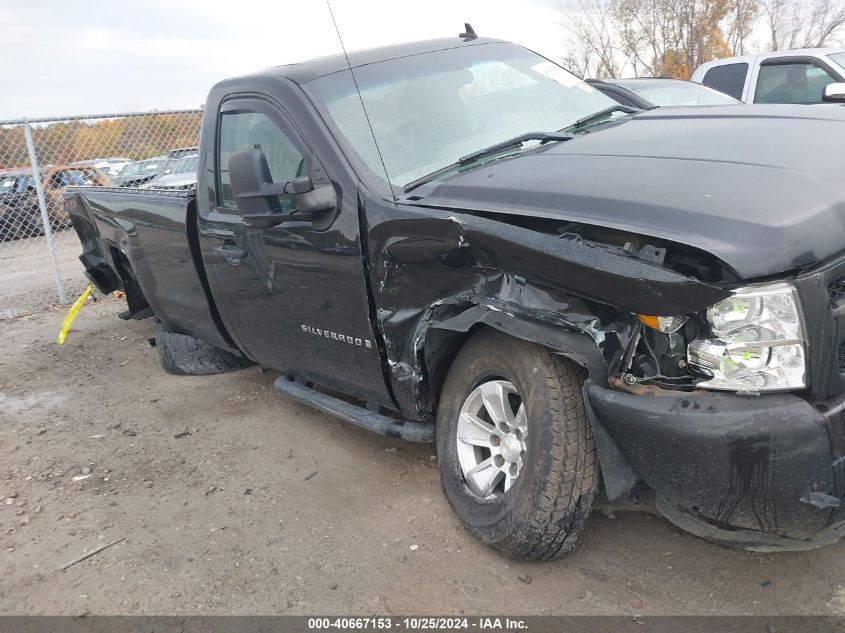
(755, 343)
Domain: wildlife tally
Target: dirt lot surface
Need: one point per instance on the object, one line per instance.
(232, 499)
(27, 278)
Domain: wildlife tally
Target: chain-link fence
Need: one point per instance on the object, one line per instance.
(39, 265)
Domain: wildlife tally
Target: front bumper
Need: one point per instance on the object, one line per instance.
(764, 472)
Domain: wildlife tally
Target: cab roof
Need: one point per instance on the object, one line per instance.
(306, 71)
(798, 52)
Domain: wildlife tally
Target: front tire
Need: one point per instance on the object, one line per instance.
(516, 449)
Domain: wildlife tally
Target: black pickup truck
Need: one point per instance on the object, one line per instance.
(458, 241)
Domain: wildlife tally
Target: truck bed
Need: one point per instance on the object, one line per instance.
(145, 243)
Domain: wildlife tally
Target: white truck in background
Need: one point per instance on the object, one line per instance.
(797, 76)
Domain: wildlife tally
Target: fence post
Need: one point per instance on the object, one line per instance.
(42, 204)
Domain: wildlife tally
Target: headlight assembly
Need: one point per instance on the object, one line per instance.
(756, 343)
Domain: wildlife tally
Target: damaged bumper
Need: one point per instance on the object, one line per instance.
(763, 473)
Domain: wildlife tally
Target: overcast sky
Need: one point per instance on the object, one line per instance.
(102, 57)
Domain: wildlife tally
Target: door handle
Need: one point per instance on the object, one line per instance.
(230, 252)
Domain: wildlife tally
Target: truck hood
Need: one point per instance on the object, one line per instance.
(760, 187)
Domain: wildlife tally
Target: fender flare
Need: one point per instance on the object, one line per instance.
(575, 345)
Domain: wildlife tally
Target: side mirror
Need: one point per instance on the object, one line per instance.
(834, 93)
(252, 185)
(311, 200)
(257, 196)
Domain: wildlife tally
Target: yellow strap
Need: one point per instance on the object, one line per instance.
(71, 315)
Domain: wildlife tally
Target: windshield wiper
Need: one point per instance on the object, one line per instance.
(601, 114)
(516, 141)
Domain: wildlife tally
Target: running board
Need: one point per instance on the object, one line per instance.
(376, 422)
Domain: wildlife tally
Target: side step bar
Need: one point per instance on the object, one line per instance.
(370, 420)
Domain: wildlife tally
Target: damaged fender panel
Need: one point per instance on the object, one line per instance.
(431, 266)
(138, 242)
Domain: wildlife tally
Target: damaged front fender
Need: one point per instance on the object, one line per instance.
(437, 275)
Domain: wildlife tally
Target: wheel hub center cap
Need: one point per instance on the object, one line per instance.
(510, 448)
(491, 438)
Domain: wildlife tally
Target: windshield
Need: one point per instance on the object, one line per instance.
(665, 92)
(429, 110)
(184, 165)
(141, 168)
(839, 58)
(81, 176)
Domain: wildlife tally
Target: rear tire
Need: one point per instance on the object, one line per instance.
(543, 497)
(185, 355)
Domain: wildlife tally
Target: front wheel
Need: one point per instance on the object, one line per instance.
(516, 450)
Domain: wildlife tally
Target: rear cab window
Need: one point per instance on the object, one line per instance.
(727, 78)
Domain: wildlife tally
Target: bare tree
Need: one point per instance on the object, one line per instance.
(672, 37)
(803, 23)
(593, 41)
(699, 30)
(644, 27)
(740, 22)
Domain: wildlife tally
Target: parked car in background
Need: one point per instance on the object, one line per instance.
(798, 76)
(20, 215)
(648, 92)
(180, 174)
(110, 166)
(14, 181)
(182, 152)
(141, 171)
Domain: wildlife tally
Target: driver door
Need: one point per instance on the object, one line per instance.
(293, 296)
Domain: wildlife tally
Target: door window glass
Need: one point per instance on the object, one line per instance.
(798, 82)
(729, 78)
(243, 130)
(59, 180)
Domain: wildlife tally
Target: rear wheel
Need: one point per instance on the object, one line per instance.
(516, 450)
(186, 355)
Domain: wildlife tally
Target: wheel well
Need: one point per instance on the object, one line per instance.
(441, 349)
(135, 299)
(442, 345)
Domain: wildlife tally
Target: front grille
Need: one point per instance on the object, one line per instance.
(822, 293)
(836, 293)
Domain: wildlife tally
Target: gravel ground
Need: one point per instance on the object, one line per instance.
(231, 499)
(27, 278)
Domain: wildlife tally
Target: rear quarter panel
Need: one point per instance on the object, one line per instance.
(152, 231)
